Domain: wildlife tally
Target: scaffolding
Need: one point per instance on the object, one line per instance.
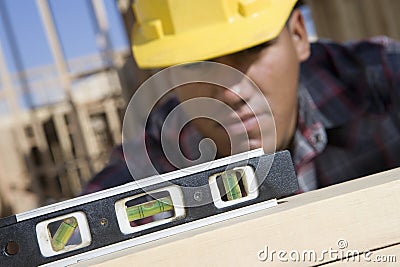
(52, 145)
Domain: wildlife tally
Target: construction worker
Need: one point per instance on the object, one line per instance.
(334, 106)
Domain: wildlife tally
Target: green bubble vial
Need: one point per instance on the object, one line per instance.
(64, 233)
(231, 184)
(148, 209)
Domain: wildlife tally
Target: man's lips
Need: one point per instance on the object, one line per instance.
(243, 125)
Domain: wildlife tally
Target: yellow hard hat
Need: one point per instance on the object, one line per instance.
(169, 32)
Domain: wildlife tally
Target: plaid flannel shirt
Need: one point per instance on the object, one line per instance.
(348, 122)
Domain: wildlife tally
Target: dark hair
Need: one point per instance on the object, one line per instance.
(298, 4)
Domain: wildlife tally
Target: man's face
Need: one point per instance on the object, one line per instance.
(274, 68)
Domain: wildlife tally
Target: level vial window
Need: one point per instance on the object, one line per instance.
(63, 234)
(151, 209)
(233, 186)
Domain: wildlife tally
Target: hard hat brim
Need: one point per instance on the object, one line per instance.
(213, 41)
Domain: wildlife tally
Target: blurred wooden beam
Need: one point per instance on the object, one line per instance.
(364, 213)
(343, 20)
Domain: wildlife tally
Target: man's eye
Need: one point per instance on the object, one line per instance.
(255, 49)
(260, 47)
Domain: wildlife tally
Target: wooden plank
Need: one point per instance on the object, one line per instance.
(365, 213)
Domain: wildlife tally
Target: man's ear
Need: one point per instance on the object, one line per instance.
(298, 32)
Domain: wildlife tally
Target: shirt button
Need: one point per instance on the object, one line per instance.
(317, 138)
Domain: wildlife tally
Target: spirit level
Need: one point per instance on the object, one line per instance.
(90, 226)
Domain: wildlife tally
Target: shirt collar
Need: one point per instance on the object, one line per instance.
(310, 138)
